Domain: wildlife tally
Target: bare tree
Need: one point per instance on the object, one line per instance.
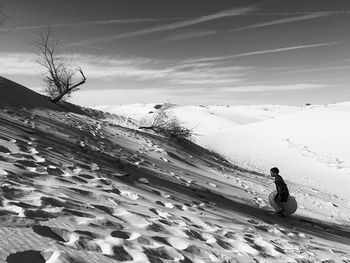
(60, 75)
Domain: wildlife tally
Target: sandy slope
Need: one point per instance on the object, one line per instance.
(310, 147)
(16, 95)
(309, 144)
(80, 189)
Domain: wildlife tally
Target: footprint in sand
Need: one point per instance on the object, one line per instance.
(120, 234)
(158, 228)
(32, 256)
(53, 255)
(113, 248)
(163, 252)
(128, 194)
(83, 240)
(27, 163)
(48, 232)
(212, 184)
(192, 234)
(143, 180)
(120, 254)
(178, 243)
(131, 218)
(165, 160)
(168, 205)
(160, 213)
(259, 202)
(3, 172)
(4, 150)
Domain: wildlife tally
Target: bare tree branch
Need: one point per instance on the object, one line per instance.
(59, 76)
(3, 16)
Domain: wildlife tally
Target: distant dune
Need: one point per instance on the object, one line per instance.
(309, 144)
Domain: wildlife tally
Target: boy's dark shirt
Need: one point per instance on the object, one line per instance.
(282, 189)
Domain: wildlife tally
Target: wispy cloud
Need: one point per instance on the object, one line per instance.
(199, 33)
(191, 78)
(269, 88)
(133, 69)
(173, 26)
(262, 52)
(19, 64)
(90, 23)
(326, 12)
(317, 69)
(188, 35)
(224, 92)
(298, 16)
(283, 21)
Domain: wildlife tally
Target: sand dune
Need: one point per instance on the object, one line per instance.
(308, 143)
(79, 188)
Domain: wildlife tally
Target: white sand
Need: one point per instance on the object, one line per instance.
(122, 202)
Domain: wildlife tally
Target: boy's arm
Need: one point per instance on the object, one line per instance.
(279, 184)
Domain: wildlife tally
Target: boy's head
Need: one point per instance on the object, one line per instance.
(274, 171)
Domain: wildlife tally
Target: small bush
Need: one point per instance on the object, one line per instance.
(169, 126)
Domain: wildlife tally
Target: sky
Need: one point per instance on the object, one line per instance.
(187, 51)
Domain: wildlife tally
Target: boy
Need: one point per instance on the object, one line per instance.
(282, 191)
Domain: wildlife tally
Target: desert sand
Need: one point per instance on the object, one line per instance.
(77, 187)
